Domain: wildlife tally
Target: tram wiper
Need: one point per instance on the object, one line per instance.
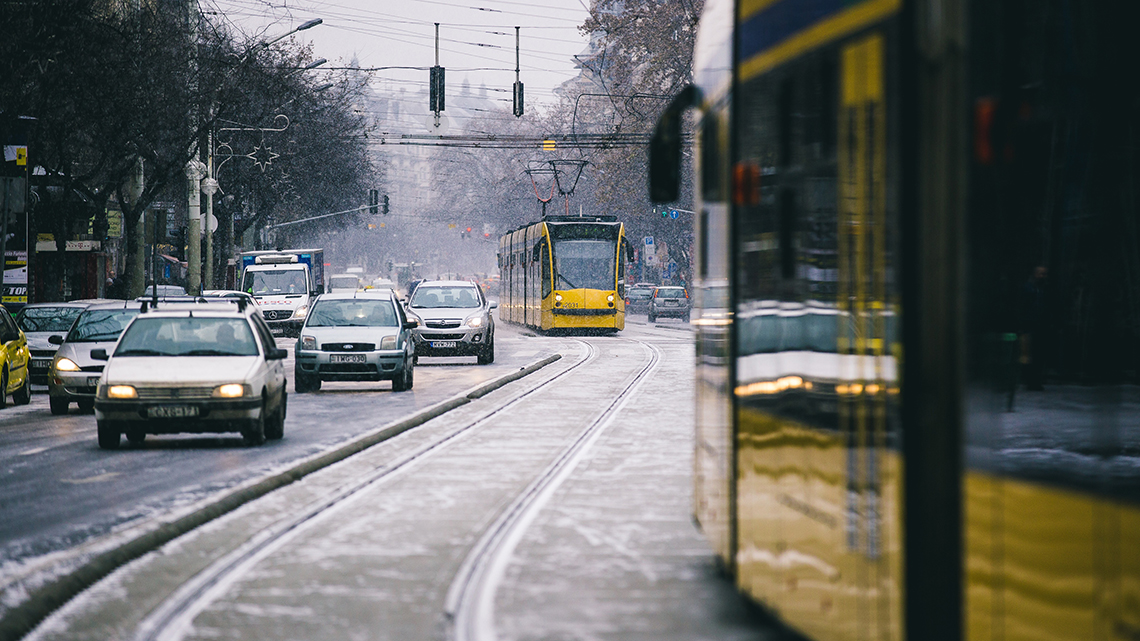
(563, 279)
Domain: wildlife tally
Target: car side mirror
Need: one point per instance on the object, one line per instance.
(99, 354)
(493, 305)
(277, 354)
(411, 323)
(55, 340)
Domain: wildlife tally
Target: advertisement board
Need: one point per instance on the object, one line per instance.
(13, 193)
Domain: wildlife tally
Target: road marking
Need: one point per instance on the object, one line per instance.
(106, 476)
(34, 450)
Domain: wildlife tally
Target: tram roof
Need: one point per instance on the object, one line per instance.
(595, 218)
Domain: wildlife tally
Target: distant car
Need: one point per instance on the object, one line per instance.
(41, 321)
(669, 302)
(14, 357)
(192, 367)
(344, 283)
(74, 375)
(383, 283)
(357, 336)
(637, 299)
(456, 320)
(165, 290)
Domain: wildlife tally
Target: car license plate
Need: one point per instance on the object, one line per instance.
(92, 381)
(277, 331)
(348, 358)
(172, 411)
(40, 364)
(443, 344)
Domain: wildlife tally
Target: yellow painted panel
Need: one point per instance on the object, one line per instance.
(823, 32)
(981, 500)
(749, 8)
(1124, 611)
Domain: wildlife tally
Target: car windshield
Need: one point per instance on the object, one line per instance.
(585, 264)
(47, 319)
(433, 297)
(353, 312)
(277, 281)
(640, 293)
(188, 336)
(98, 325)
(166, 290)
(670, 292)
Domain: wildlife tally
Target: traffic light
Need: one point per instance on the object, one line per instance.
(374, 201)
(437, 89)
(385, 207)
(518, 106)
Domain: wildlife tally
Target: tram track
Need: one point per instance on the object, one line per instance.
(470, 602)
(172, 617)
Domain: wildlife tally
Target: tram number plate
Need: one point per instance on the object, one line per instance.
(443, 344)
(348, 358)
(172, 411)
(572, 305)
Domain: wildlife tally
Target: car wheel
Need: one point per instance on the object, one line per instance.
(487, 354)
(136, 437)
(108, 435)
(401, 382)
(254, 434)
(411, 375)
(86, 404)
(652, 317)
(275, 428)
(59, 405)
(686, 318)
(23, 396)
(4, 390)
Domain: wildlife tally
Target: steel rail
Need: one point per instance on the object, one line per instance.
(470, 602)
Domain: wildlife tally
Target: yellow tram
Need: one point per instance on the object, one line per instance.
(564, 273)
(918, 345)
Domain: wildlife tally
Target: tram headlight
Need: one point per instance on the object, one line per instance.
(610, 298)
(558, 298)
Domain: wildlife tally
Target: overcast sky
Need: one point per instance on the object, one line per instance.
(477, 38)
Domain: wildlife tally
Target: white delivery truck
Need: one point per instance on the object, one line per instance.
(284, 282)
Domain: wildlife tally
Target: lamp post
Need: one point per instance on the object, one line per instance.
(196, 171)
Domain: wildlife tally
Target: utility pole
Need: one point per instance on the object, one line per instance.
(209, 187)
(518, 88)
(194, 169)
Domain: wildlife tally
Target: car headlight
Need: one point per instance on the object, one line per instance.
(388, 342)
(308, 342)
(475, 321)
(122, 391)
(66, 365)
(301, 311)
(230, 390)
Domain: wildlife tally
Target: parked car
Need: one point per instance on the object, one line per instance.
(357, 336)
(165, 290)
(637, 299)
(41, 321)
(456, 320)
(192, 367)
(14, 357)
(74, 375)
(669, 302)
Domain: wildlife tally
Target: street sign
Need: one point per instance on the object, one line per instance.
(673, 214)
(648, 241)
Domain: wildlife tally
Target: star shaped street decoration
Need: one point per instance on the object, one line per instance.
(262, 156)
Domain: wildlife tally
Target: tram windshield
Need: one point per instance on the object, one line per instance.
(585, 264)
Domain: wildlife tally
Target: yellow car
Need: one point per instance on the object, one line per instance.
(14, 357)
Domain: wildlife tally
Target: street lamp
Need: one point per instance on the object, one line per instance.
(210, 186)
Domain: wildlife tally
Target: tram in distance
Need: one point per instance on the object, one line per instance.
(564, 273)
(917, 306)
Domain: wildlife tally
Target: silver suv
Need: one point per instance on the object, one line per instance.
(456, 320)
(669, 302)
(355, 336)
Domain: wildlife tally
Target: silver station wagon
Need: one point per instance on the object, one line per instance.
(192, 367)
(356, 336)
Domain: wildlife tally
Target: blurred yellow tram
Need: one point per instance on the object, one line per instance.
(564, 273)
(918, 313)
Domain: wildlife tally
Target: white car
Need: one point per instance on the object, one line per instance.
(192, 367)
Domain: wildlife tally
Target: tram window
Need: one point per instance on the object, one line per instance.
(544, 259)
(712, 189)
(703, 242)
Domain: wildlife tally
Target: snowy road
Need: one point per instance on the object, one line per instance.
(554, 508)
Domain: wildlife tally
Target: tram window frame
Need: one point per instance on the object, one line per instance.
(547, 275)
(712, 187)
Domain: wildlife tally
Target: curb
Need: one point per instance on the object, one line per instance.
(679, 328)
(23, 618)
